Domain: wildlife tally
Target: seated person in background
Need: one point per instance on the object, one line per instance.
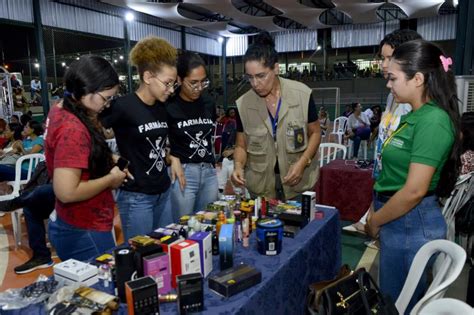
(324, 121)
(19, 100)
(348, 111)
(15, 119)
(375, 121)
(15, 83)
(358, 127)
(32, 143)
(467, 148)
(24, 119)
(3, 138)
(13, 133)
(35, 87)
(37, 200)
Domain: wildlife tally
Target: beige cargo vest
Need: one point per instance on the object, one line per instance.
(262, 151)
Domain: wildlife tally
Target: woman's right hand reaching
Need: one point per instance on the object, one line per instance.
(116, 177)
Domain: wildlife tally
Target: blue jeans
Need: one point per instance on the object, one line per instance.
(37, 206)
(359, 135)
(8, 173)
(80, 244)
(401, 239)
(141, 213)
(201, 189)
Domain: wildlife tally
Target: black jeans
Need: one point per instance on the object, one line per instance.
(37, 206)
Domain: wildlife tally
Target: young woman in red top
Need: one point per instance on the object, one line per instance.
(80, 162)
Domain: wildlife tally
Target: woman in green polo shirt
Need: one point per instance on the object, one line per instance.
(419, 162)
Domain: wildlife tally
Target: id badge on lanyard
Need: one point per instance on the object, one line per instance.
(274, 121)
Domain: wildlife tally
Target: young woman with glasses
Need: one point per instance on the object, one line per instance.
(139, 122)
(278, 130)
(80, 162)
(191, 119)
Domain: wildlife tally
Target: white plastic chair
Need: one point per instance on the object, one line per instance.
(32, 160)
(328, 152)
(447, 306)
(446, 269)
(339, 128)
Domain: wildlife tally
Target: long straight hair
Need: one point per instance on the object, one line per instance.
(440, 86)
(90, 74)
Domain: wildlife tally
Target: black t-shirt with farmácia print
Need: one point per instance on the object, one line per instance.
(191, 127)
(141, 132)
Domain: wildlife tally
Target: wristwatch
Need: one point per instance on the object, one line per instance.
(308, 161)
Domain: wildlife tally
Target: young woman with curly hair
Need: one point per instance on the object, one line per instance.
(139, 122)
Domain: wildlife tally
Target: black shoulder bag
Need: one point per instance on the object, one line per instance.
(355, 294)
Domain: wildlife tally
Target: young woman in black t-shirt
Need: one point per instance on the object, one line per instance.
(191, 118)
(140, 126)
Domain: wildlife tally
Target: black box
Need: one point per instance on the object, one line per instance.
(290, 230)
(143, 251)
(293, 219)
(142, 296)
(190, 293)
(234, 280)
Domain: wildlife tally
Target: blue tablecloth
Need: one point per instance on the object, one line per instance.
(313, 255)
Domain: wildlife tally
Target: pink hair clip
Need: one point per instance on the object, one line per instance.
(446, 62)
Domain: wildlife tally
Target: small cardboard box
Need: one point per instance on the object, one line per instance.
(234, 280)
(185, 259)
(226, 246)
(204, 239)
(74, 271)
(158, 267)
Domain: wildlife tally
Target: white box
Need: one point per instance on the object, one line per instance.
(74, 271)
(185, 259)
(204, 239)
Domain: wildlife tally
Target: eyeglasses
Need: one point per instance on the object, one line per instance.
(170, 85)
(107, 100)
(199, 84)
(260, 77)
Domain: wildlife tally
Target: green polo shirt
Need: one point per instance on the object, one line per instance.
(425, 136)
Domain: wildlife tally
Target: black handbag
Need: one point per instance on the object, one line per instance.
(465, 218)
(355, 294)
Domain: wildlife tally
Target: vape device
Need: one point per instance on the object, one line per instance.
(124, 269)
(190, 293)
(142, 296)
(308, 206)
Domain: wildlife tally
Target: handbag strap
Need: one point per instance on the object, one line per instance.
(362, 281)
(366, 282)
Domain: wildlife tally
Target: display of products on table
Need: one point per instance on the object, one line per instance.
(178, 258)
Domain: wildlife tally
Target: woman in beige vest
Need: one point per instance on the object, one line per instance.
(278, 131)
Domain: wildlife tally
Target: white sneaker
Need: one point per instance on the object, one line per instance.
(372, 244)
(357, 227)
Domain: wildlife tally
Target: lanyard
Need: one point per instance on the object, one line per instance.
(392, 135)
(274, 121)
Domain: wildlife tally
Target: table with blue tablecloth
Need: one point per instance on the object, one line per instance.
(313, 255)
